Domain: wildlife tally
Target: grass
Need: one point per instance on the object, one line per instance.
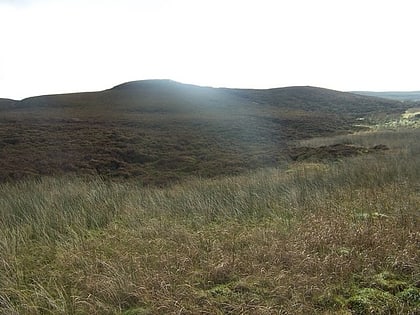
(336, 237)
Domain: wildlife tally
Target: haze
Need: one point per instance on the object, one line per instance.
(73, 45)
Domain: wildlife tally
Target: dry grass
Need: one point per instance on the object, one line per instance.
(338, 238)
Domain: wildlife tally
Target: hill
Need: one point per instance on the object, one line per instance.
(413, 96)
(159, 131)
(6, 103)
(314, 99)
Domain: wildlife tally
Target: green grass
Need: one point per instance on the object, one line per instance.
(305, 238)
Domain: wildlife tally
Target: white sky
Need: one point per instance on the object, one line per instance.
(57, 46)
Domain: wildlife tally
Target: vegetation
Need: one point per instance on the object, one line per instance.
(413, 96)
(325, 237)
(163, 132)
(156, 197)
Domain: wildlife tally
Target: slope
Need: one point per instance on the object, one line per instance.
(160, 131)
(6, 103)
(413, 96)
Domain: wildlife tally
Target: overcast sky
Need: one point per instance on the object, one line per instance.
(57, 46)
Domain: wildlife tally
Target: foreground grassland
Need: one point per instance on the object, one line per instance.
(307, 238)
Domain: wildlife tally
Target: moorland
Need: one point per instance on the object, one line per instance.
(155, 197)
(400, 96)
(161, 131)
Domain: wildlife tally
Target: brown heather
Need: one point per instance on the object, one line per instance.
(162, 132)
(307, 238)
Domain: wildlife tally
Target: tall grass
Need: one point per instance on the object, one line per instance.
(302, 239)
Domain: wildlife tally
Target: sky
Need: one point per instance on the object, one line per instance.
(62, 46)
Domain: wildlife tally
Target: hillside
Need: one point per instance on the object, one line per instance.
(413, 96)
(6, 103)
(314, 99)
(159, 131)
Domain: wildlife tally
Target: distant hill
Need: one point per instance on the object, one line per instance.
(171, 96)
(399, 96)
(319, 99)
(6, 103)
(159, 131)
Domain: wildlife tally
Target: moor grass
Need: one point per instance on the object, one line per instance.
(337, 237)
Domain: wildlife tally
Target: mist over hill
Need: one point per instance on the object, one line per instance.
(160, 131)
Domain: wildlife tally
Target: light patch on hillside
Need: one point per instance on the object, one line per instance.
(412, 113)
